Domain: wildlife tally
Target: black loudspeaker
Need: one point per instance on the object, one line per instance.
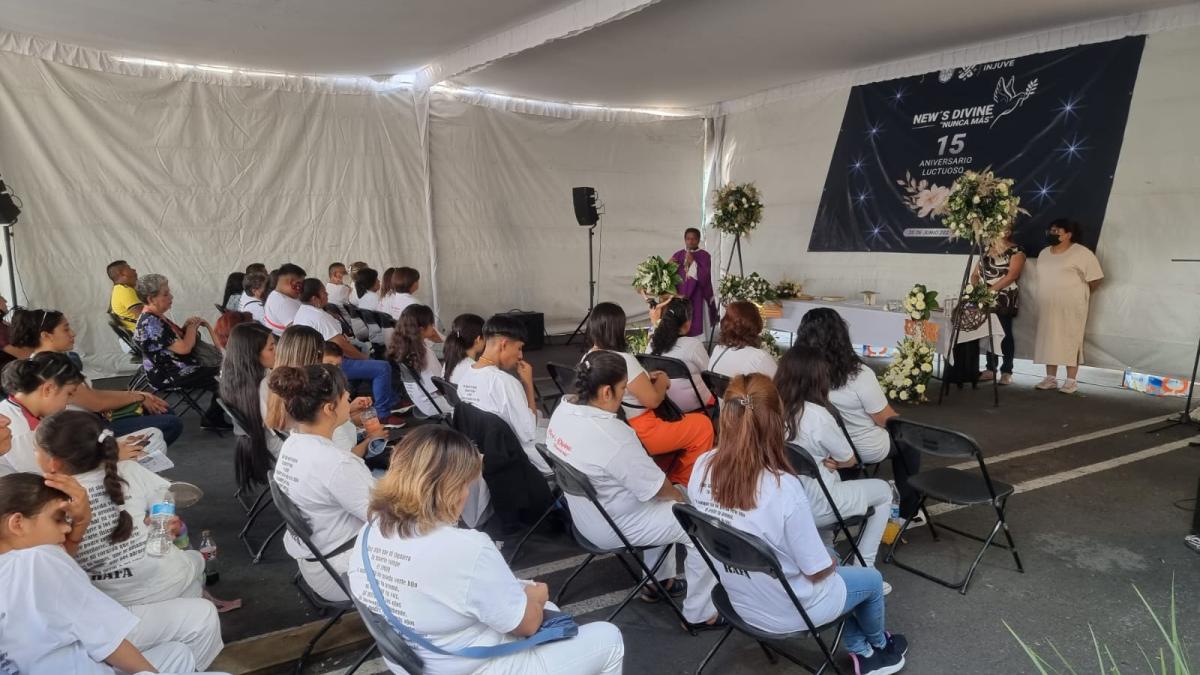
(535, 327)
(585, 205)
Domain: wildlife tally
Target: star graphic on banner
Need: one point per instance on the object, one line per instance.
(858, 165)
(1043, 190)
(898, 95)
(862, 197)
(1072, 149)
(875, 232)
(874, 130)
(1069, 107)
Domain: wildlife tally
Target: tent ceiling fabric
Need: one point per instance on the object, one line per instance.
(671, 53)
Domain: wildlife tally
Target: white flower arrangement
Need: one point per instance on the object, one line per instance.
(919, 302)
(907, 377)
(737, 208)
(786, 290)
(981, 295)
(980, 207)
(637, 340)
(752, 288)
(656, 277)
(769, 345)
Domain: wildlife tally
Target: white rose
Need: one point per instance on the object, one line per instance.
(975, 199)
(928, 368)
(924, 350)
(907, 382)
(1002, 189)
(892, 394)
(920, 389)
(904, 396)
(915, 315)
(915, 371)
(920, 304)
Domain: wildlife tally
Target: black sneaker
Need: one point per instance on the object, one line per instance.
(676, 590)
(883, 661)
(897, 643)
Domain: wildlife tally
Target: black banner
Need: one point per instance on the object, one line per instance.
(1053, 122)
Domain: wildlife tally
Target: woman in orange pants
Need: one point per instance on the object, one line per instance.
(673, 445)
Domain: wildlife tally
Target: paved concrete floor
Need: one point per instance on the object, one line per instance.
(1095, 516)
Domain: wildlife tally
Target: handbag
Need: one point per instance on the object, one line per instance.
(206, 354)
(555, 625)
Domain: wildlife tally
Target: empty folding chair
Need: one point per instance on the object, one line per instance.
(805, 465)
(298, 525)
(742, 553)
(563, 378)
(952, 486)
(675, 370)
(394, 649)
(447, 389)
(571, 481)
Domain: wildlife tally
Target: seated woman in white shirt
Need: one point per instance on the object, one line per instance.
(249, 358)
(254, 292)
(328, 484)
(670, 338)
(856, 395)
(166, 592)
(749, 484)
(399, 290)
(803, 384)
(739, 346)
(673, 445)
(231, 298)
(463, 345)
(410, 348)
(586, 434)
(366, 289)
(54, 619)
(37, 388)
(451, 582)
(339, 292)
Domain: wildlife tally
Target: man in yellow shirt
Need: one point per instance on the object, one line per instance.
(125, 302)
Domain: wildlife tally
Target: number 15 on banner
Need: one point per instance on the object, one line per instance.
(956, 144)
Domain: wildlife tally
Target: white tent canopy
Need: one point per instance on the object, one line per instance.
(194, 138)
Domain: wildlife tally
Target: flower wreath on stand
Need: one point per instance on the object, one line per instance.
(737, 209)
(980, 207)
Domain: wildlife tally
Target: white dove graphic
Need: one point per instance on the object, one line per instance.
(1005, 96)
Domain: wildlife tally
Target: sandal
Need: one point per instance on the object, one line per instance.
(677, 589)
(987, 376)
(717, 624)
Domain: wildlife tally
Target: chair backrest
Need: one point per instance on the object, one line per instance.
(369, 317)
(342, 318)
(716, 383)
(569, 479)
(352, 311)
(393, 647)
(563, 376)
(239, 424)
(837, 417)
(220, 309)
(447, 389)
(933, 440)
(802, 462)
(385, 320)
(410, 376)
(298, 525)
(673, 367)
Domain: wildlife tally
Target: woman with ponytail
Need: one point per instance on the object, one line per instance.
(463, 345)
(749, 484)
(585, 433)
(329, 485)
(54, 619)
(249, 358)
(410, 347)
(37, 387)
(670, 338)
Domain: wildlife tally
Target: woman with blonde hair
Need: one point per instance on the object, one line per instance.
(451, 582)
(750, 484)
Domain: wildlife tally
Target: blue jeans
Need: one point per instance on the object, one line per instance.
(380, 375)
(864, 601)
(170, 425)
(1008, 347)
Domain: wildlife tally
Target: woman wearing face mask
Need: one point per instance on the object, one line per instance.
(1000, 268)
(1068, 273)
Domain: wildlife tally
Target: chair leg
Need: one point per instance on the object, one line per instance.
(313, 642)
(770, 654)
(361, 659)
(929, 522)
(713, 651)
(563, 589)
(529, 533)
(1012, 545)
(267, 542)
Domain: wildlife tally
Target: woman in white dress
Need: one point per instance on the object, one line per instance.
(1067, 273)
(670, 338)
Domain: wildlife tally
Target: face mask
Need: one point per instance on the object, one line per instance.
(1053, 239)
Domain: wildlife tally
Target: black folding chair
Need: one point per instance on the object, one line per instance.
(220, 309)
(356, 320)
(742, 553)
(447, 389)
(866, 470)
(563, 377)
(343, 319)
(676, 370)
(374, 326)
(806, 465)
(261, 502)
(952, 486)
(573, 482)
(390, 644)
(138, 381)
(298, 525)
(408, 376)
(717, 384)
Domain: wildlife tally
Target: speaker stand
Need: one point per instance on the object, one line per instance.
(591, 288)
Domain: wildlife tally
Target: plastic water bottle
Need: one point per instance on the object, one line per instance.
(159, 539)
(208, 549)
(892, 530)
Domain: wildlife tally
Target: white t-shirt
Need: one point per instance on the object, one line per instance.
(860, 398)
(493, 390)
(608, 452)
(632, 370)
(53, 620)
(21, 457)
(123, 570)
(459, 371)
(319, 319)
(369, 301)
(330, 486)
(424, 404)
(339, 294)
(251, 304)
(279, 312)
(818, 433)
(451, 585)
(394, 303)
(783, 519)
(741, 361)
(691, 351)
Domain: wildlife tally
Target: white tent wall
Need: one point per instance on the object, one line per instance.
(195, 180)
(1145, 314)
(505, 229)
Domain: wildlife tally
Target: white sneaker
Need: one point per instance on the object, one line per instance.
(1069, 387)
(1047, 383)
(887, 588)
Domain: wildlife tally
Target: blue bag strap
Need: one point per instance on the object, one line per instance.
(554, 629)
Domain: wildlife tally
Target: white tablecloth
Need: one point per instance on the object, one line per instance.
(875, 326)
